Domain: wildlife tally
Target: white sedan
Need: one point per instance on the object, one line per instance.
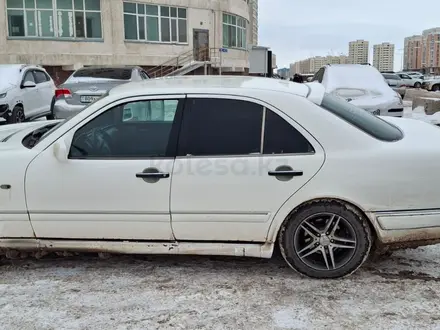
(222, 166)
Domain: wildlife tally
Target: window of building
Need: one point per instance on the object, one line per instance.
(145, 22)
(234, 31)
(54, 18)
(220, 127)
(137, 129)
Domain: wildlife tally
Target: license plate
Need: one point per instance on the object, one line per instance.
(89, 98)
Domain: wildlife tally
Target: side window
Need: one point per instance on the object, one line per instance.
(217, 127)
(138, 129)
(144, 75)
(29, 76)
(282, 138)
(155, 111)
(40, 77)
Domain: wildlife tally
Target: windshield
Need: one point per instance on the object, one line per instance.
(362, 119)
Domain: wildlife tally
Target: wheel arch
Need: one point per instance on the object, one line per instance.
(281, 218)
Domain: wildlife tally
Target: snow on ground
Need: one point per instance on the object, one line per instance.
(143, 292)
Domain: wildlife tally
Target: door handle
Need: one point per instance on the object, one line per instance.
(157, 175)
(285, 173)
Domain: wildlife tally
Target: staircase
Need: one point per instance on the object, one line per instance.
(187, 62)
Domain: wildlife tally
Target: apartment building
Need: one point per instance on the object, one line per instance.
(253, 22)
(63, 35)
(313, 64)
(412, 53)
(383, 56)
(358, 51)
(431, 50)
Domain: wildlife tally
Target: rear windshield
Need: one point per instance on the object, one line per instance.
(105, 73)
(362, 119)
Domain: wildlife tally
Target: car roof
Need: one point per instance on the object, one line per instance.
(210, 84)
(108, 67)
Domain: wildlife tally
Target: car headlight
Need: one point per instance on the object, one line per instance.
(3, 95)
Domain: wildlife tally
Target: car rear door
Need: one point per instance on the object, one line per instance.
(238, 161)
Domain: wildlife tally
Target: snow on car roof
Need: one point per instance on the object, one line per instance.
(354, 76)
(194, 84)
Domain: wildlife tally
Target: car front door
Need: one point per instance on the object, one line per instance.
(238, 161)
(115, 183)
(31, 98)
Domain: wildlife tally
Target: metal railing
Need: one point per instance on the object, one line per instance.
(207, 56)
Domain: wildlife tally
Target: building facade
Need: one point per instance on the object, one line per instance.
(313, 64)
(412, 53)
(253, 22)
(431, 50)
(358, 51)
(67, 34)
(383, 56)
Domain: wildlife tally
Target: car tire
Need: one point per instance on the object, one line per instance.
(322, 252)
(51, 116)
(17, 115)
(436, 88)
(417, 85)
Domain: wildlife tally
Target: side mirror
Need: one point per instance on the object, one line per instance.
(29, 84)
(60, 150)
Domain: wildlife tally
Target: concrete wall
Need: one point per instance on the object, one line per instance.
(202, 14)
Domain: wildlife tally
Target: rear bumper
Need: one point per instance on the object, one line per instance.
(407, 228)
(64, 110)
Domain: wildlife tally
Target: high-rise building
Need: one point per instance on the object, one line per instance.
(431, 50)
(383, 56)
(253, 22)
(358, 51)
(412, 53)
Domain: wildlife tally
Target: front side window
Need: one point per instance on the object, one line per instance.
(29, 77)
(147, 22)
(234, 31)
(363, 120)
(75, 19)
(140, 129)
(41, 77)
(219, 127)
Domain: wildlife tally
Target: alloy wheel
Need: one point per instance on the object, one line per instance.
(325, 241)
(19, 117)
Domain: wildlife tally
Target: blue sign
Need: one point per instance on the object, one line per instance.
(223, 50)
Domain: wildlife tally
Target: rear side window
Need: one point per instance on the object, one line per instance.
(220, 127)
(361, 119)
(105, 73)
(391, 76)
(281, 138)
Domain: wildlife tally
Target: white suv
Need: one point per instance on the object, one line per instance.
(26, 92)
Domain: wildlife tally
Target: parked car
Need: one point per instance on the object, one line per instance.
(25, 92)
(410, 81)
(396, 83)
(432, 84)
(363, 86)
(238, 163)
(414, 74)
(88, 84)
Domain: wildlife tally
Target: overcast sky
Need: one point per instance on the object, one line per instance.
(297, 29)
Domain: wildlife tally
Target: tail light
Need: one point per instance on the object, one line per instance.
(62, 92)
